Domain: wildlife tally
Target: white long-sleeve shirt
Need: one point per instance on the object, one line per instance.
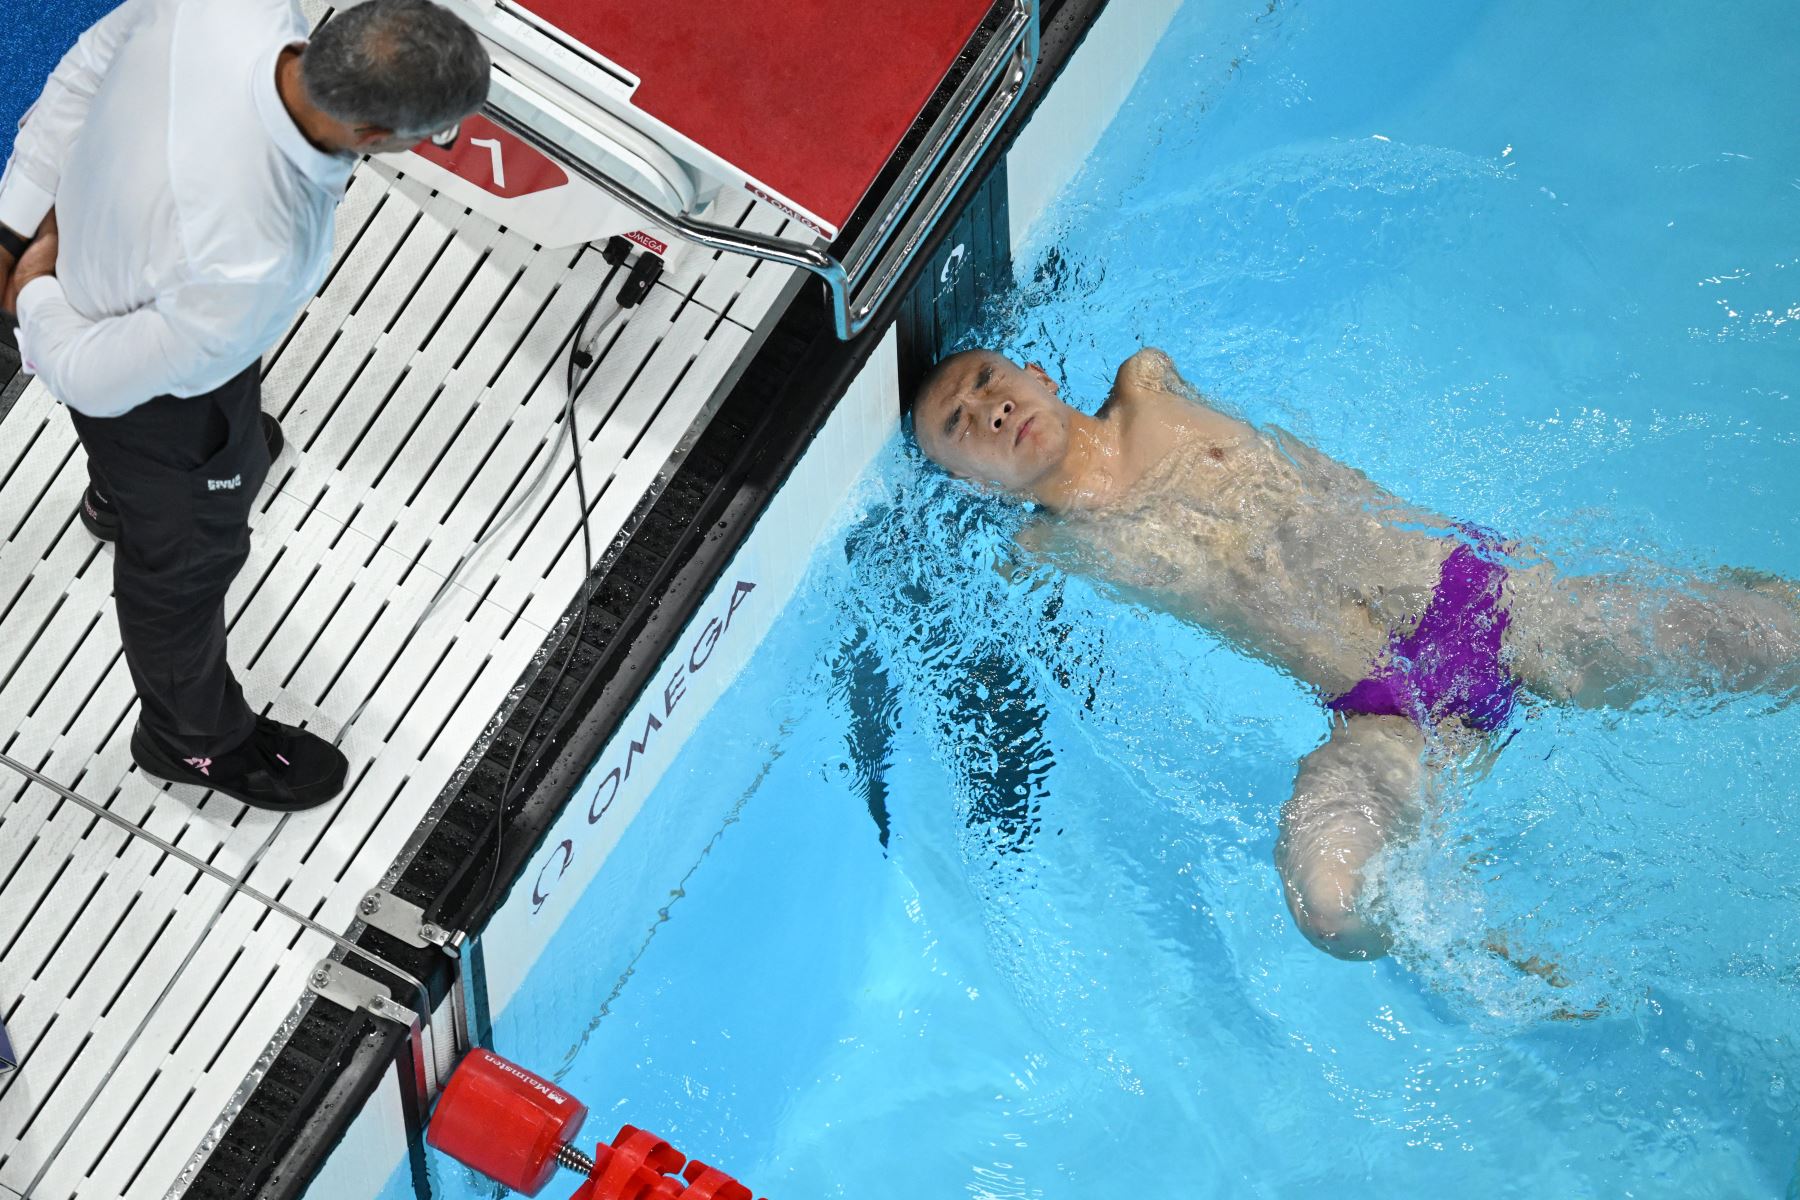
(195, 219)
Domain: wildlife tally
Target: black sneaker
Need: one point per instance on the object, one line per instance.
(281, 767)
(102, 519)
(98, 514)
(272, 435)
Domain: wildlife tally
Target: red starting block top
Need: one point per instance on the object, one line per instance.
(809, 96)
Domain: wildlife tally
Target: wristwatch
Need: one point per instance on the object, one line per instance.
(13, 242)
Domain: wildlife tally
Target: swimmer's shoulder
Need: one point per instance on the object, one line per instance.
(1149, 391)
(1153, 370)
(1142, 380)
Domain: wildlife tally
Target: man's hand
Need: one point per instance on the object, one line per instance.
(39, 259)
(7, 263)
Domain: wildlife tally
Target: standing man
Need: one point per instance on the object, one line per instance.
(180, 170)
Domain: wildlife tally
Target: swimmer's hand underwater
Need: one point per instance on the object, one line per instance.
(1408, 624)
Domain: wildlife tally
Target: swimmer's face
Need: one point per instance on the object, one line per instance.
(989, 420)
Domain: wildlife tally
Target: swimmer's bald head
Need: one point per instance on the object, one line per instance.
(982, 417)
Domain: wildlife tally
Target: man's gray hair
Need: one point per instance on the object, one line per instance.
(407, 65)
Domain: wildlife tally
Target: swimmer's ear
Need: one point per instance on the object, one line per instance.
(1044, 378)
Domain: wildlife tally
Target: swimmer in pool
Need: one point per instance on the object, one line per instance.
(1417, 631)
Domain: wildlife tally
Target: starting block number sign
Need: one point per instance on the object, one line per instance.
(495, 161)
(517, 186)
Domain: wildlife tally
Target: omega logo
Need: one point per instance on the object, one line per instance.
(684, 663)
(953, 265)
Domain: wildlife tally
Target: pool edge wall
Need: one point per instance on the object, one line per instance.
(718, 608)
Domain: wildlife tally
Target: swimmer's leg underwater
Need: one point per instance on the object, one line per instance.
(1353, 795)
(1603, 641)
(1592, 641)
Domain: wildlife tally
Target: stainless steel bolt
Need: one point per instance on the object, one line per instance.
(371, 904)
(573, 1159)
(321, 977)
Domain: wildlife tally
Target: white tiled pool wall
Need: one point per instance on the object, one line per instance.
(739, 612)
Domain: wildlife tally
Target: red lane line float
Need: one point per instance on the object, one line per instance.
(505, 1122)
(516, 1128)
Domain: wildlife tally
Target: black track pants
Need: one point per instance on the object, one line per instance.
(183, 473)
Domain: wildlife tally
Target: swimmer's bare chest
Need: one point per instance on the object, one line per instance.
(1261, 539)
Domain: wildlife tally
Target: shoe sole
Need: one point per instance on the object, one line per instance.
(152, 761)
(108, 530)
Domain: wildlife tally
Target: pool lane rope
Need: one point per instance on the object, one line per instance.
(517, 1129)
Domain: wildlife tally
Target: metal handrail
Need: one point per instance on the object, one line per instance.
(925, 216)
(1013, 46)
(1009, 58)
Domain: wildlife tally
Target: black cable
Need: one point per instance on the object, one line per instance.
(577, 357)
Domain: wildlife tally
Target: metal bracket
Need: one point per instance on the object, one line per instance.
(353, 990)
(402, 919)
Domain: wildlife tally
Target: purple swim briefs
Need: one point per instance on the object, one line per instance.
(1450, 665)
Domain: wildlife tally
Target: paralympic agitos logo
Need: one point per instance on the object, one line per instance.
(678, 670)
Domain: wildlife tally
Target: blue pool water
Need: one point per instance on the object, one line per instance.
(966, 887)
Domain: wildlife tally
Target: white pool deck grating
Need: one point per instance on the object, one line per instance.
(419, 393)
